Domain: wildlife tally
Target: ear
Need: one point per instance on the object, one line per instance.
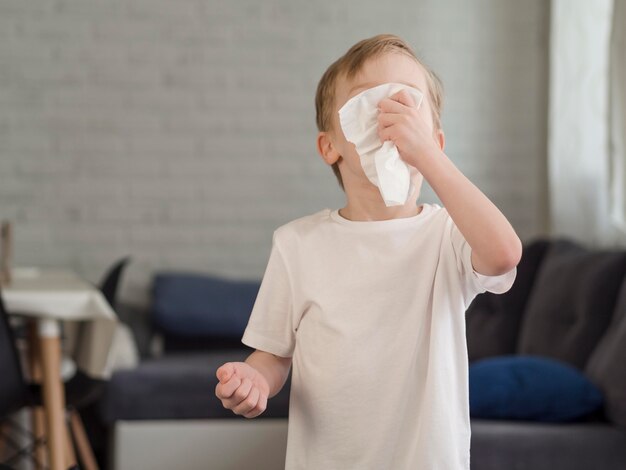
(326, 149)
(441, 139)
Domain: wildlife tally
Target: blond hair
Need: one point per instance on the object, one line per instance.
(350, 64)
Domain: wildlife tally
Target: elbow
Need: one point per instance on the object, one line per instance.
(511, 256)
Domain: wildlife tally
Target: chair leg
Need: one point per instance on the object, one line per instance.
(39, 432)
(87, 457)
(70, 455)
(3, 429)
(12, 432)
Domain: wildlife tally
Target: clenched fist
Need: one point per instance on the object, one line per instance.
(242, 389)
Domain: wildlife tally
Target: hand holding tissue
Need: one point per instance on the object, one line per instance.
(381, 161)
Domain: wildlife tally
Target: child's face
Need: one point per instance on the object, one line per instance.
(388, 67)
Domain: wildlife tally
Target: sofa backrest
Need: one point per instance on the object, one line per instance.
(607, 365)
(493, 320)
(201, 311)
(572, 302)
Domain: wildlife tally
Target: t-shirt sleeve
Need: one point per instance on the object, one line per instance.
(476, 282)
(270, 326)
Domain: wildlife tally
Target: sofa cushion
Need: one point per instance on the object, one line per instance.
(572, 302)
(493, 320)
(607, 365)
(498, 445)
(178, 386)
(530, 388)
(199, 305)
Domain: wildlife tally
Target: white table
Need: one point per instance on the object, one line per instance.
(49, 297)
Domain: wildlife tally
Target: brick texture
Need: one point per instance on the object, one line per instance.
(183, 133)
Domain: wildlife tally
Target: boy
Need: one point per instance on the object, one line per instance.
(369, 301)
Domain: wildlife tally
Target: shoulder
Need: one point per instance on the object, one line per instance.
(436, 208)
(438, 216)
(441, 215)
(301, 228)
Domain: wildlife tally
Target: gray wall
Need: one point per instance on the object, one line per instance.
(183, 132)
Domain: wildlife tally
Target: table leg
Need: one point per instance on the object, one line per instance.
(53, 393)
(37, 415)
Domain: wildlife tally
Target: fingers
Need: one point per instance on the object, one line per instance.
(247, 400)
(386, 128)
(249, 403)
(404, 97)
(392, 112)
(386, 119)
(388, 105)
(226, 390)
(225, 372)
(260, 407)
(385, 134)
(238, 395)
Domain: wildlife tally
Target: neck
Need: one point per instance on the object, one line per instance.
(371, 207)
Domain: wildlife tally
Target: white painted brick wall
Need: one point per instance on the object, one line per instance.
(183, 133)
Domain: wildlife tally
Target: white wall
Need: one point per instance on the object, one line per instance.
(183, 132)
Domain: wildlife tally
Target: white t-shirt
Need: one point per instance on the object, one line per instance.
(373, 313)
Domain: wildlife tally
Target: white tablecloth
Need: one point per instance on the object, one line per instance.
(87, 320)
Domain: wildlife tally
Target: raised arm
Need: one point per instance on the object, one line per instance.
(496, 248)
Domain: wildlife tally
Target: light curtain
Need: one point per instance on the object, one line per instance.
(617, 110)
(586, 169)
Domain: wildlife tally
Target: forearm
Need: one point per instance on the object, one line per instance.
(486, 229)
(275, 369)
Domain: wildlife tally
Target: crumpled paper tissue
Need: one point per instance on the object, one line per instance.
(381, 161)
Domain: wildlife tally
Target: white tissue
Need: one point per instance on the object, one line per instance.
(381, 162)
